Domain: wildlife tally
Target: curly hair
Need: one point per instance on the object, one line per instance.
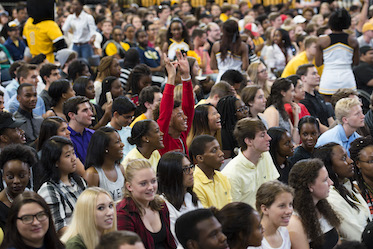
(19, 152)
(301, 175)
(137, 73)
(275, 97)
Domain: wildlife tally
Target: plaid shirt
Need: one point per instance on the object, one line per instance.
(61, 200)
(129, 219)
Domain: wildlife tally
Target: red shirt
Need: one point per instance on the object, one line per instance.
(165, 112)
(303, 111)
(129, 219)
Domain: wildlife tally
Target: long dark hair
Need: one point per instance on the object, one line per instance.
(97, 146)
(170, 179)
(231, 39)
(51, 153)
(325, 153)
(301, 175)
(80, 84)
(276, 134)
(57, 88)
(48, 128)
(13, 239)
(106, 87)
(275, 97)
(136, 74)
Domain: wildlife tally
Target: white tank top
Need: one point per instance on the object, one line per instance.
(114, 188)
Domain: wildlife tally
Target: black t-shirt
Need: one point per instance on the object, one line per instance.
(363, 74)
(299, 154)
(317, 107)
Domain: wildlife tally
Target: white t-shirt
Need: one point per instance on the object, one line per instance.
(285, 241)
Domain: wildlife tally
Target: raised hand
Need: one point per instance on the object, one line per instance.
(171, 69)
(183, 65)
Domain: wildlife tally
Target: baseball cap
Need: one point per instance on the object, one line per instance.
(9, 122)
(365, 49)
(206, 14)
(252, 28)
(299, 19)
(367, 26)
(4, 12)
(12, 26)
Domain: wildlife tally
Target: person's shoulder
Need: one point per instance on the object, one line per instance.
(75, 242)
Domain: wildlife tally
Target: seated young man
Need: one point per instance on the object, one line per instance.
(123, 110)
(120, 240)
(211, 186)
(253, 165)
(174, 120)
(199, 229)
(149, 99)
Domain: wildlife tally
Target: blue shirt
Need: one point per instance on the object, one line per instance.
(124, 133)
(14, 51)
(149, 56)
(12, 87)
(337, 135)
(81, 142)
(13, 104)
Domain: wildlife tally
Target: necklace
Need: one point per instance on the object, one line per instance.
(8, 196)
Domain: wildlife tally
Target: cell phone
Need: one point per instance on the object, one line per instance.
(109, 97)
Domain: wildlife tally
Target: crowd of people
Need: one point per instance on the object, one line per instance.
(186, 124)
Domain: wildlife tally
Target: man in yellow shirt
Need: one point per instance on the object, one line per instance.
(305, 57)
(253, 165)
(211, 186)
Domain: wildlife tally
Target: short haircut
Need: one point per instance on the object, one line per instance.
(46, 70)
(20, 88)
(123, 105)
(198, 32)
(114, 240)
(71, 105)
(233, 76)
(303, 69)
(147, 95)
(343, 107)
(273, 16)
(222, 89)
(24, 70)
(247, 128)
(308, 120)
(3, 117)
(14, 67)
(198, 145)
(309, 41)
(186, 225)
(340, 94)
(76, 69)
(1, 93)
(19, 152)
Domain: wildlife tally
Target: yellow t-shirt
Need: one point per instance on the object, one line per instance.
(293, 64)
(216, 192)
(135, 154)
(139, 118)
(41, 36)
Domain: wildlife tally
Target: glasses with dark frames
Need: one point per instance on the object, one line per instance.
(29, 218)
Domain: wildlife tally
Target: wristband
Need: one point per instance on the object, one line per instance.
(187, 79)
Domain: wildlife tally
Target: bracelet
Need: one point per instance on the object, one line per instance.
(187, 79)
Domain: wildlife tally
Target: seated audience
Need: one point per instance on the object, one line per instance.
(109, 66)
(48, 73)
(344, 198)
(241, 224)
(78, 112)
(148, 139)
(218, 91)
(60, 91)
(210, 185)
(282, 92)
(361, 152)
(123, 110)
(281, 148)
(61, 185)
(364, 71)
(78, 68)
(120, 240)
(299, 95)
(26, 95)
(309, 131)
(254, 98)
(235, 78)
(231, 109)
(193, 230)
(175, 185)
(94, 215)
(105, 150)
(314, 222)
(175, 118)
(145, 214)
(15, 163)
(258, 74)
(140, 77)
(274, 202)
(350, 117)
(253, 165)
(29, 211)
(10, 131)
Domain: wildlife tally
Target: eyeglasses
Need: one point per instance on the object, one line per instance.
(242, 109)
(368, 162)
(187, 170)
(29, 218)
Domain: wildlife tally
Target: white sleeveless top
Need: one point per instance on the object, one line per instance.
(286, 244)
(114, 188)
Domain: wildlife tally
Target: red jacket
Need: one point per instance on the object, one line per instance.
(165, 112)
(129, 219)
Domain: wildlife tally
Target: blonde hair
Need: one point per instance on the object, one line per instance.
(178, 92)
(83, 222)
(252, 71)
(343, 108)
(267, 193)
(133, 167)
